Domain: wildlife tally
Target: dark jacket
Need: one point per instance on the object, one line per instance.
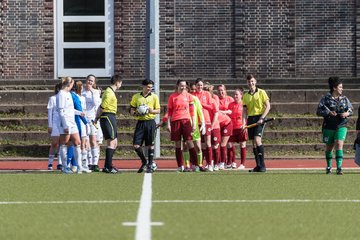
(340, 105)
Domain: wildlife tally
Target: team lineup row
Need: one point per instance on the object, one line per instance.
(204, 126)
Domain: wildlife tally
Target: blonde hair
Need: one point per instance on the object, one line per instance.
(208, 87)
(66, 81)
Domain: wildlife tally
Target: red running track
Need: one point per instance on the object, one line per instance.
(25, 164)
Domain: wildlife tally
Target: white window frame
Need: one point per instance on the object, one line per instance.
(108, 19)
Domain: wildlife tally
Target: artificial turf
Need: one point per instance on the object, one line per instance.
(222, 205)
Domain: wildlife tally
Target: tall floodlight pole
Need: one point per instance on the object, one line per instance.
(152, 55)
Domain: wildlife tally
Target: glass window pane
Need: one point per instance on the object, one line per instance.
(84, 58)
(84, 8)
(84, 31)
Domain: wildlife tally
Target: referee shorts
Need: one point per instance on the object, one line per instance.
(108, 125)
(144, 132)
(255, 131)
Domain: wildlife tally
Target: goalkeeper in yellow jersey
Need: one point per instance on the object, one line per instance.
(200, 130)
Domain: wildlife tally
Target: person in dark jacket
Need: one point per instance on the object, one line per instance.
(335, 108)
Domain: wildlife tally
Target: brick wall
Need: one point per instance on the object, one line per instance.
(264, 35)
(325, 38)
(221, 39)
(26, 39)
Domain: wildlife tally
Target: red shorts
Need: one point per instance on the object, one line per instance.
(181, 128)
(207, 133)
(227, 130)
(215, 136)
(239, 136)
(208, 130)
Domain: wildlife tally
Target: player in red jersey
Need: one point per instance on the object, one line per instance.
(239, 133)
(221, 136)
(180, 118)
(224, 101)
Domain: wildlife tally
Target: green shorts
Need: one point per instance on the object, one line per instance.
(330, 136)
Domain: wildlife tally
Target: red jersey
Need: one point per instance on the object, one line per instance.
(180, 106)
(205, 100)
(214, 109)
(236, 114)
(223, 119)
(224, 103)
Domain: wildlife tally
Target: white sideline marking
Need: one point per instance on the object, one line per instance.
(184, 201)
(143, 221)
(69, 202)
(134, 224)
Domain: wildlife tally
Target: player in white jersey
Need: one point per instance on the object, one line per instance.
(92, 97)
(82, 124)
(67, 125)
(53, 129)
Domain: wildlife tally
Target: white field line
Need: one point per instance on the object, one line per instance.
(69, 202)
(184, 201)
(143, 221)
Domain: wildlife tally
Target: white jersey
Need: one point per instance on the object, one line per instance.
(53, 114)
(83, 102)
(92, 102)
(65, 106)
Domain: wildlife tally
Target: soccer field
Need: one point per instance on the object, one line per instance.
(222, 205)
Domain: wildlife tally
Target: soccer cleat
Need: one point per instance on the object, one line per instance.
(59, 167)
(210, 168)
(50, 167)
(196, 169)
(328, 170)
(233, 165)
(74, 169)
(228, 166)
(180, 169)
(216, 167)
(241, 167)
(86, 170)
(142, 168)
(96, 168)
(339, 171)
(255, 169)
(262, 170)
(149, 169)
(67, 171)
(114, 170)
(222, 166)
(187, 170)
(91, 167)
(202, 169)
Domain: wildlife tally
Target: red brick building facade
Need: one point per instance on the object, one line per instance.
(211, 39)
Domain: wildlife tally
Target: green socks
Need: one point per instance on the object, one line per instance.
(328, 156)
(339, 158)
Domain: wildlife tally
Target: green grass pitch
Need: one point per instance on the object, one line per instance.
(222, 205)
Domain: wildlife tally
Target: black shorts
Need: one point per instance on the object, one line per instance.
(108, 125)
(145, 132)
(255, 131)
